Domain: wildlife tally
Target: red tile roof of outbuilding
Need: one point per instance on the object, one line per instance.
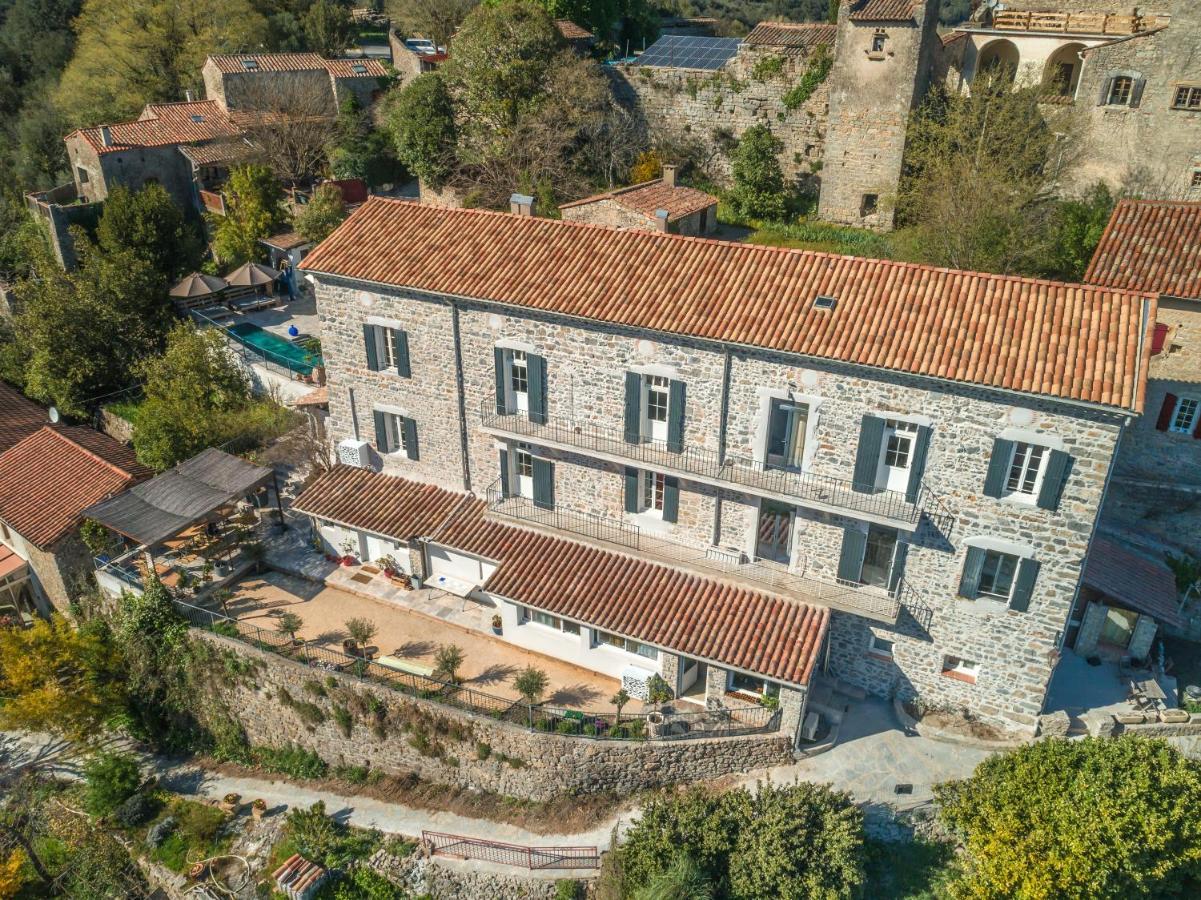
(19, 416)
(882, 10)
(1151, 245)
(1068, 341)
(792, 34)
(646, 199)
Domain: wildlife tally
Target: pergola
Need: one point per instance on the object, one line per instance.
(180, 513)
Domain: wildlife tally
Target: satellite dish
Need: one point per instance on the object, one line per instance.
(54, 417)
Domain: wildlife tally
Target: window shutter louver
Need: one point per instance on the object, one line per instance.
(671, 499)
(675, 416)
(536, 369)
(1165, 412)
(1136, 92)
(499, 357)
(400, 350)
(544, 483)
(381, 432)
(369, 346)
(1023, 584)
(633, 412)
(850, 560)
(917, 465)
(631, 490)
(1059, 466)
(410, 427)
(998, 467)
(504, 474)
(973, 567)
(867, 457)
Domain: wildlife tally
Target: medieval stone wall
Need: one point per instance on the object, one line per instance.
(398, 735)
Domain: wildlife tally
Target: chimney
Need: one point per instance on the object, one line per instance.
(661, 220)
(669, 176)
(521, 205)
(106, 136)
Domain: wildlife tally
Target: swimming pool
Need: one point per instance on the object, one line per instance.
(275, 349)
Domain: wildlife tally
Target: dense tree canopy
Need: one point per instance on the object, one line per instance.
(758, 189)
(328, 28)
(422, 122)
(322, 214)
(254, 210)
(149, 224)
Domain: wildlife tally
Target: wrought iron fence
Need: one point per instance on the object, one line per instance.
(603, 726)
(511, 854)
(270, 360)
(804, 487)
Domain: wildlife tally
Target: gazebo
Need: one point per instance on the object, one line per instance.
(194, 527)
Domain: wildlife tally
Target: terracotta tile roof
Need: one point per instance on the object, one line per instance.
(645, 601)
(646, 199)
(1021, 334)
(882, 11)
(288, 240)
(316, 397)
(49, 479)
(791, 34)
(385, 505)
(1151, 246)
(19, 416)
(1145, 585)
(573, 32)
(163, 124)
(234, 64)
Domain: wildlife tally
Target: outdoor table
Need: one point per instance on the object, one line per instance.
(1146, 687)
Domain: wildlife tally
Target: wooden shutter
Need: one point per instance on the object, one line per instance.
(504, 474)
(867, 457)
(381, 431)
(631, 491)
(498, 354)
(1059, 466)
(1159, 337)
(850, 560)
(1197, 427)
(536, 371)
(400, 350)
(369, 346)
(899, 556)
(998, 467)
(1165, 412)
(917, 465)
(671, 498)
(633, 416)
(1106, 87)
(544, 483)
(1136, 92)
(675, 416)
(973, 567)
(1023, 584)
(410, 427)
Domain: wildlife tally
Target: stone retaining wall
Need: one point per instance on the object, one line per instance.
(285, 702)
(455, 880)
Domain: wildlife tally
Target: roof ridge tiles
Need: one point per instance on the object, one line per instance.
(86, 451)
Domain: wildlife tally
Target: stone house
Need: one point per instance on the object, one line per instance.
(1128, 78)
(886, 441)
(413, 56)
(245, 81)
(47, 478)
(658, 205)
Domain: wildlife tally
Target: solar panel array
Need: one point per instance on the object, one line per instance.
(687, 52)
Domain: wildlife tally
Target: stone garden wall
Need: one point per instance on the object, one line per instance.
(353, 723)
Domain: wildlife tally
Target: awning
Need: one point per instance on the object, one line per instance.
(1135, 581)
(164, 506)
(10, 563)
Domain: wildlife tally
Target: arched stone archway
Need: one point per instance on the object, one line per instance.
(998, 58)
(1062, 72)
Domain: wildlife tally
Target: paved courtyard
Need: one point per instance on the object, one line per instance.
(490, 665)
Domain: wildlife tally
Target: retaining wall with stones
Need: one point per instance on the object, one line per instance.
(454, 880)
(284, 702)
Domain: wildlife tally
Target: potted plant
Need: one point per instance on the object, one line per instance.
(289, 623)
(206, 571)
(389, 565)
(361, 631)
(496, 624)
(448, 660)
(347, 548)
(258, 807)
(230, 802)
(619, 700)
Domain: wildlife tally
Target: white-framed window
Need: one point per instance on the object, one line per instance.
(898, 447)
(879, 39)
(1026, 469)
(751, 684)
(996, 577)
(385, 346)
(878, 646)
(517, 380)
(958, 667)
(655, 402)
(1187, 96)
(1184, 416)
(546, 620)
(629, 646)
(394, 428)
(787, 429)
(1120, 89)
(650, 492)
(523, 471)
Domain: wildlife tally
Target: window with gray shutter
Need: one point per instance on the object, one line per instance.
(867, 457)
(917, 464)
(675, 417)
(1023, 585)
(410, 437)
(850, 560)
(973, 566)
(1059, 466)
(499, 356)
(633, 408)
(400, 351)
(998, 468)
(381, 432)
(544, 483)
(536, 367)
(671, 499)
(631, 489)
(504, 474)
(369, 346)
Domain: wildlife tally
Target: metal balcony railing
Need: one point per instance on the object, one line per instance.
(760, 574)
(802, 488)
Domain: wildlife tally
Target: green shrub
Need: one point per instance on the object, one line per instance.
(566, 726)
(361, 883)
(343, 719)
(110, 779)
(315, 688)
(291, 760)
(310, 713)
(482, 750)
(136, 810)
(569, 889)
(355, 774)
(767, 67)
(815, 74)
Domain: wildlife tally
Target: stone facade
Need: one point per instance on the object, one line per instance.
(442, 745)
(448, 879)
(59, 572)
(452, 345)
(96, 173)
(609, 212)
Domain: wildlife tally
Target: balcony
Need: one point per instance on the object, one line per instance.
(820, 492)
(1085, 23)
(757, 574)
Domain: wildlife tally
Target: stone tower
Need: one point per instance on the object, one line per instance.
(881, 70)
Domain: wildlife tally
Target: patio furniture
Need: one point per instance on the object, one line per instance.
(402, 665)
(253, 302)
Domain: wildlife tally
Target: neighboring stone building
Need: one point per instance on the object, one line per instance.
(413, 56)
(1130, 76)
(247, 81)
(877, 439)
(659, 205)
(581, 40)
(48, 477)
